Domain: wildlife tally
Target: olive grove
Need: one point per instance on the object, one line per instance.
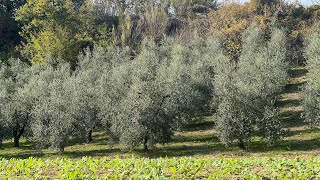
(144, 99)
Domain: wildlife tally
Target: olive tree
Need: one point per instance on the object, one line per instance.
(14, 114)
(93, 71)
(54, 109)
(248, 89)
(112, 87)
(206, 56)
(312, 88)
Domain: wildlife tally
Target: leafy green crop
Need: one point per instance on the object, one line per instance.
(162, 168)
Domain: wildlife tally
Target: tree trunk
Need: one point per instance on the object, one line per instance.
(16, 138)
(61, 149)
(145, 144)
(241, 145)
(1, 140)
(89, 137)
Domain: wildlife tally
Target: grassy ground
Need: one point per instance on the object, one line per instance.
(200, 140)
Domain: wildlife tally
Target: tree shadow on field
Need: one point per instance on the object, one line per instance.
(292, 119)
(184, 150)
(287, 146)
(299, 139)
(298, 80)
(202, 125)
(73, 150)
(297, 72)
(26, 145)
(66, 154)
(304, 131)
(288, 103)
(293, 87)
(202, 139)
(95, 153)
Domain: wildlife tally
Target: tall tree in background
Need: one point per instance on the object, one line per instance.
(230, 20)
(58, 28)
(136, 20)
(9, 28)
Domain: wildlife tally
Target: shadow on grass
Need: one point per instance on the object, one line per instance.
(185, 150)
(290, 133)
(297, 72)
(96, 153)
(293, 88)
(221, 149)
(288, 103)
(292, 119)
(23, 145)
(286, 146)
(24, 155)
(186, 139)
(173, 150)
(67, 154)
(98, 138)
(27, 149)
(192, 143)
(204, 125)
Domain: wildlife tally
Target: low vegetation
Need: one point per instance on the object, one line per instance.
(162, 168)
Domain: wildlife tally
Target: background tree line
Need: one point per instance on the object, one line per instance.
(142, 70)
(34, 29)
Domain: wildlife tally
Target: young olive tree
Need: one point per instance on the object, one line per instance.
(1, 133)
(311, 91)
(205, 57)
(112, 87)
(248, 89)
(14, 113)
(54, 109)
(92, 92)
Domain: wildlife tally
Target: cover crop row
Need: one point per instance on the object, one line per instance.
(162, 168)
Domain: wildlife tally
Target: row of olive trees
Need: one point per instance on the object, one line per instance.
(140, 100)
(145, 99)
(247, 90)
(311, 91)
